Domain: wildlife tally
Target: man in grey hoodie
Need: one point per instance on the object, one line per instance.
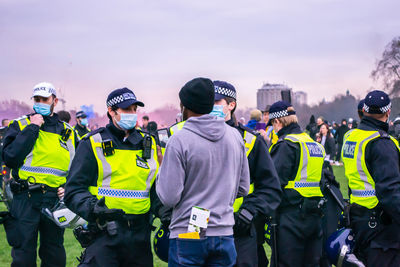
(204, 169)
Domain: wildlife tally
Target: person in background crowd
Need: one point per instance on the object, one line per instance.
(339, 138)
(5, 122)
(242, 120)
(64, 116)
(312, 128)
(268, 134)
(320, 121)
(152, 127)
(82, 122)
(145, 123)
(255, 116)
(350, 123)
(326, 139)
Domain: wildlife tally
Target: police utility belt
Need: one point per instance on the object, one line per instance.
(19, 186)
(375, 216)
(86, 234)
(310, 205)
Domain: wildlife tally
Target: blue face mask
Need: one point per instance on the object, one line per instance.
(84, 122)
(42, 109)
(128, 121)
(218, 111)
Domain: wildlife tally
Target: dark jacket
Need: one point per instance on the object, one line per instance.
(286, 157)
(382, 160)
(84, 170)
(267, 192)
(340, 132)
(81, 130)
(18, 144)
(330, 148)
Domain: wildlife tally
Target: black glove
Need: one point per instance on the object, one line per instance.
(4, 215)
(101, 212)
(243, 220)
(165, 216)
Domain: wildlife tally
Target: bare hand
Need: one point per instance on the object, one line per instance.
(37, 119)
(60, 192)
(159, 155)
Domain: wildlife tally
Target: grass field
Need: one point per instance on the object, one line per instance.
(74, 250)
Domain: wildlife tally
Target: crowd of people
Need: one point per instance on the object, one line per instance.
(220, 189)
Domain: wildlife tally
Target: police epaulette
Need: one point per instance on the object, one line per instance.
(384, 134)
(247, 129)
(89, 134)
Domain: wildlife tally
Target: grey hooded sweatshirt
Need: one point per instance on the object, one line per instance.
(204, 165)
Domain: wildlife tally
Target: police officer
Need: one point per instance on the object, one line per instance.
(81, 126)
(39, 148)
(298, 160)
(109, 186)
(371, 162)
(265, 193)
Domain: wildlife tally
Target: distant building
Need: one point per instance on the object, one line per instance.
(300, 98)
(271, 93)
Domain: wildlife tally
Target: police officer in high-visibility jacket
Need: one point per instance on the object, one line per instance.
(265, 193)
(109, 185)
(371, 161)
(81, 126)
(298, 160)
(39, 148)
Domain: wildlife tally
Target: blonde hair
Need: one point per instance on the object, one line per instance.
(286, 121)
(255, 114)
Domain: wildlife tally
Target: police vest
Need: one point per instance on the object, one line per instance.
(49, 161)
(272, 135)
(176, 127)
(81, 136)
(249, 141)
(124, 178)
(361, 182)
(309, 172)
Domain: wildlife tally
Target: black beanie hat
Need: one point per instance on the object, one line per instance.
(198, 95)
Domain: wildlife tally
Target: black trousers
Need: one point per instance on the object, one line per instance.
(379, 246)
(129, 247)
(249, 248)
(27, 223)
(299, 239)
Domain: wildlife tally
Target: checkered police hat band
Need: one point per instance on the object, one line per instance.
(280, 114)
(119, 99)
(225, 91)
(382, 109)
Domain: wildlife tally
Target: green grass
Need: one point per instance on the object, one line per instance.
(74, 250)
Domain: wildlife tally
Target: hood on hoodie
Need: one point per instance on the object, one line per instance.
(207, 126)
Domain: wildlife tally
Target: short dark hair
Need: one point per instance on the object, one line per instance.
(145, 117)
(344, 120)
(64, 115)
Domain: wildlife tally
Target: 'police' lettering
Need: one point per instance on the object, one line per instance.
(315, 150)
(348, 149)
(141, 164)
(62, 219)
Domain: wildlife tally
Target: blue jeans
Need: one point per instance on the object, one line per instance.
(208, 251)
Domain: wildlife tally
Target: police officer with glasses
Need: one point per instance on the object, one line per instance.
(109, 185)
(371, 161)
(39, 148)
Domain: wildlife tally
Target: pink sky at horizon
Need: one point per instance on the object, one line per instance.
(89, 48)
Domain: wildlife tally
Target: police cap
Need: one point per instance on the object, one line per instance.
(122, 98)
(377, 102)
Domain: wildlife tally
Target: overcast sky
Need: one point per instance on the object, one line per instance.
(88, 48)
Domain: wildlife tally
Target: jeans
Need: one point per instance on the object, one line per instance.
(208, 251)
